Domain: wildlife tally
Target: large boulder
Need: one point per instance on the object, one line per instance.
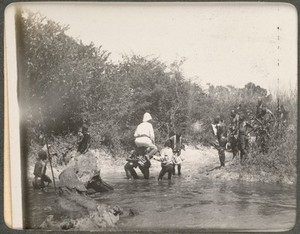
(96, 184)
(102, 218)
(87, 167)
(68, 179)
(88, 173)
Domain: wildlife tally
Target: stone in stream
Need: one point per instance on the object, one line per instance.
(96, 184)
(73, 191)
(78, 179)
(68, 179)
(88, 173)
(67, 224)
(101, 219)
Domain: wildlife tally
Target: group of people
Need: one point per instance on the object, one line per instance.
(235, 135)
(170, 155)
(41, 180)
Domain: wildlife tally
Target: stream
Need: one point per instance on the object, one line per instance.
(184, 203)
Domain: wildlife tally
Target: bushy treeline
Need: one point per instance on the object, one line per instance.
(65, 83)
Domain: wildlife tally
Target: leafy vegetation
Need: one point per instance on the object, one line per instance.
(66, 83)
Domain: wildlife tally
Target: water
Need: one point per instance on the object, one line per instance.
(186, 203)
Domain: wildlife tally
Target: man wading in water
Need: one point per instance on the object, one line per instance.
(167, 161)
(176, 145)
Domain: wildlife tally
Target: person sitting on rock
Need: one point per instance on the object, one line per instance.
(39, 172)
(167, 160)
(84, 140)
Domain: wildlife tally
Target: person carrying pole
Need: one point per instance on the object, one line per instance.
(47, 147)
(39, 172)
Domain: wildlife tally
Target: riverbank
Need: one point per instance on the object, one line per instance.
(204, 162)
(198, 162)
(203, 192)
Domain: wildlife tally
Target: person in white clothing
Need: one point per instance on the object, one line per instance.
(144, 136)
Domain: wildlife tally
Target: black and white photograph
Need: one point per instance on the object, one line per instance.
(152, 116)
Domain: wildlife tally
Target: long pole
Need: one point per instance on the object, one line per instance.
(50, 161)
(47, 146)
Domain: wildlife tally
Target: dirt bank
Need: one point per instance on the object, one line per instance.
(198, 161)
(207, 161)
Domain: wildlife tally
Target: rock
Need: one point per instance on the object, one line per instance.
(87, 166)
(67, 224)
(48, 223)
(102, 219)
(96, 184)
(77, 201)
(69, 179)
(110, 218)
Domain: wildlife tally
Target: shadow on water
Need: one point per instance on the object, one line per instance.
(183, 203)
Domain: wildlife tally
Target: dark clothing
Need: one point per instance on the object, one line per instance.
(137, 159)
(176, 143)
(39, 182)
(222, 141)
(242, 140)
(221, 153)
(221, 150)
(131, 173)
(221, 130)
(84, 142)
(129, 170)
(166, 169)
(178, 169)
(234, 145)
(145, 170)
(39, 169)
(242, 146)
(177, 146)
(232, 134)
(40, 176)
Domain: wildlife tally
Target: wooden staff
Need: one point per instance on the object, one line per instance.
(48, 153)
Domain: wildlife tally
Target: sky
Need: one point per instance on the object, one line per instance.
(223, 44)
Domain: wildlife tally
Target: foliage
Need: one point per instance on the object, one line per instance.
(69, 83)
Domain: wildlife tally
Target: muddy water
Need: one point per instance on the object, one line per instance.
(185, 203)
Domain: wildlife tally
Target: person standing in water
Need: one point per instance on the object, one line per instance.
(167, 160)
(177, 146)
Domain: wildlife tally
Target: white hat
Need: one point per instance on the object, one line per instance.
(147, 117)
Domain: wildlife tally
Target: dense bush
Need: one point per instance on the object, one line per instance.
(65, 83)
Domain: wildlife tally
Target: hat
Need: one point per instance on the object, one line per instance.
(147, 117)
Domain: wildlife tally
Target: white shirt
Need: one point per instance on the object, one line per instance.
(145, 129)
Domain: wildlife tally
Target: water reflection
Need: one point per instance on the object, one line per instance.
(182, 203)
